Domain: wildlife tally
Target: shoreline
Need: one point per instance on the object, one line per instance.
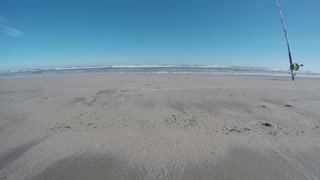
(165, 69)
(160, 74)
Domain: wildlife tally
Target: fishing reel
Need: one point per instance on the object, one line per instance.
(295, 66)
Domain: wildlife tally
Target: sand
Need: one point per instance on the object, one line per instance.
(148, 126)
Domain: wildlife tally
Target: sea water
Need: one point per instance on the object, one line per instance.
(163, 69)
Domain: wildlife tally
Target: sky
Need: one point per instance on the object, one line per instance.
(61, 33)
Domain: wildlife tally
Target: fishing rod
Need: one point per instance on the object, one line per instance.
(292, 66)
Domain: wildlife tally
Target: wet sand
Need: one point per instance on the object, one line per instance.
(159, 127)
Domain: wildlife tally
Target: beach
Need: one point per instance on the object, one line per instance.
(159, 126)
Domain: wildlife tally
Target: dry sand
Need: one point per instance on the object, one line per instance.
(159, 127)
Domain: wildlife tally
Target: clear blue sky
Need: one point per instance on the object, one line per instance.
(59, 33)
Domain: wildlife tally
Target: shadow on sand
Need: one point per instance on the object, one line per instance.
(239, 164)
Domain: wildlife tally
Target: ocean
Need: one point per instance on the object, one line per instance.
(163, 69)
